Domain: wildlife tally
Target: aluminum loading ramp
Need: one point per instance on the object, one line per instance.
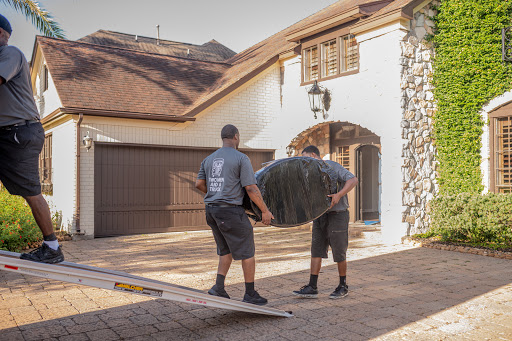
(120, 281)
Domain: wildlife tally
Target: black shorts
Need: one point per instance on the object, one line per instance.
(330, 229)
(20, 147)
(232, 231)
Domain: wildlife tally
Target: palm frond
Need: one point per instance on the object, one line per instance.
(39, 16)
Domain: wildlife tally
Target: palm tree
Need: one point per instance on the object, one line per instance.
(39, 16)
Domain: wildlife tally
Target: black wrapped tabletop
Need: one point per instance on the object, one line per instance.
(295, 190)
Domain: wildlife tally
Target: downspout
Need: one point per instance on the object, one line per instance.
(77, 213)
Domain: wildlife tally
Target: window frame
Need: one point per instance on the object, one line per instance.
(502, 112)
(318, 40)
(46, 159)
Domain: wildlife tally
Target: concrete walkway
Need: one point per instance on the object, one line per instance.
(396, 292)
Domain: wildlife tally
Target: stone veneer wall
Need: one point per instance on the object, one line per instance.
(419, 184)
(317, 135)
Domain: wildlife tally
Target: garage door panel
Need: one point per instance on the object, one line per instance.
(142, 189)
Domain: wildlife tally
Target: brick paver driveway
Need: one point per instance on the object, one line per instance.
(396, 292)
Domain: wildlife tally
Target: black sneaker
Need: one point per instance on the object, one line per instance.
(339, 292)
(44, 254)
(307, 291)
(254, 298)
(215, 291)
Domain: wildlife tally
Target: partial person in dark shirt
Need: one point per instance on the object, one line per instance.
(222, 177)
(21, 142)
(330, 229)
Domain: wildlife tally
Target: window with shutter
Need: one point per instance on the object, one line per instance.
(310, 64)
(45, 165)
(349, 53)
(342, 157)
(503, 154)
(329, 58)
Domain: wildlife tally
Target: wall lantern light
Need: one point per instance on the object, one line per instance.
(506, 43)
(87, 141)
(319, 99)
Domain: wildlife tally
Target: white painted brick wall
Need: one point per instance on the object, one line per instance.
(252, 109)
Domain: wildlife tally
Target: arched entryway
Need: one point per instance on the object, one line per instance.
(358, 150)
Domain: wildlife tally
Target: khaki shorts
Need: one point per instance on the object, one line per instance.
(330, 229)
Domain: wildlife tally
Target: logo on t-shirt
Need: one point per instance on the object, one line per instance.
(217, 167)
(216, 183)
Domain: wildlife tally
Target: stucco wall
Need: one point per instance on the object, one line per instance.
(370, 98)
(63, 172)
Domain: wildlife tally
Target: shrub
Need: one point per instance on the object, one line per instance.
(17, 225)
(484, 220)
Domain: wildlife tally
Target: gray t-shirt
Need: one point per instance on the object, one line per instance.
(343, 175)
(227, 171)
(16, 98)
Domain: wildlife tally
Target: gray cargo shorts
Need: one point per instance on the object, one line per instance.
(330, 229)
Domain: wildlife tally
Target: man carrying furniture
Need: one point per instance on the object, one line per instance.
(223, 176)
(330, 229)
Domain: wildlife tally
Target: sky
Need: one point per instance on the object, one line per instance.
(238, 24)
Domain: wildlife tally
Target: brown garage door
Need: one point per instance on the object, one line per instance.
(145, 189)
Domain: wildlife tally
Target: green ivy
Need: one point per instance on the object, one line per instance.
(468, 73)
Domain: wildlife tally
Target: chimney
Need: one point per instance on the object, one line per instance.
(136, 38)
(188, 53)
(158, 34)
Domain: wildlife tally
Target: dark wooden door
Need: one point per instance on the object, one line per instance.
(145, 189)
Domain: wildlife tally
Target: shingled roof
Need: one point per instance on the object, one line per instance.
(98, 77)
(212, 51)
(108, 73)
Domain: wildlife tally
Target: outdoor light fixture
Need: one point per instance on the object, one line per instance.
(317, 95)
(87, 141)
(506, 43)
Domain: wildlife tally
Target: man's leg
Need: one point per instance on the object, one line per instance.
(41, 213)
(50, 251)
(316, 265)
(249, 268)
(224, 264)
(342, 268)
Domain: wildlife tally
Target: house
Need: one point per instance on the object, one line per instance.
(151, 110)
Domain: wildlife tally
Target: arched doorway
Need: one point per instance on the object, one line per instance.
(358, 150)
(369, 187)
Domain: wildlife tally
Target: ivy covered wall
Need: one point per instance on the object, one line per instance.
(468, 72)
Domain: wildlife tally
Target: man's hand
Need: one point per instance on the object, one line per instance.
(267, 217)
(335, 198)
(254, 193)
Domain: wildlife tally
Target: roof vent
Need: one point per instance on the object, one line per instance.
(136, 38)
(158, 34)
(188, 53)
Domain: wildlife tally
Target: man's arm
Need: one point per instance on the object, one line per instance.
(254, 193)
(201, 185)
(349, 185)
(2, 81)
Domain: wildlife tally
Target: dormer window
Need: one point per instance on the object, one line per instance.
(330, 56)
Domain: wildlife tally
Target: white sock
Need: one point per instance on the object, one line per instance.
(53, 244)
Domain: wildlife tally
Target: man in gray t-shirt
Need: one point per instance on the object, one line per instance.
(223, 177)
(330, 229)
(21, 141)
